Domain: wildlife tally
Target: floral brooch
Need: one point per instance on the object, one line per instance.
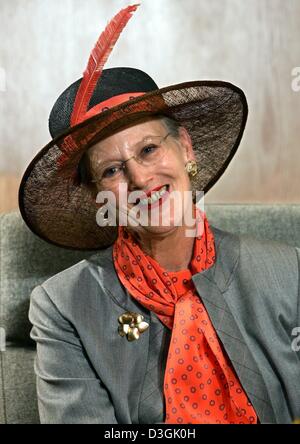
(132, 325)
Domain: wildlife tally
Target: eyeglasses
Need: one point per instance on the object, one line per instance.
(149, 153)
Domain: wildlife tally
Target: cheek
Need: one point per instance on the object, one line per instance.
(174, 168)
(178, 172)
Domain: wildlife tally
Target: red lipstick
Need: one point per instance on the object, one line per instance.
(148, 193)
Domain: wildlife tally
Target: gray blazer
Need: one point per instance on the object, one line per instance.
(87, 373)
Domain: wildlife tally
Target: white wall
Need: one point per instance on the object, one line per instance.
(45, 44)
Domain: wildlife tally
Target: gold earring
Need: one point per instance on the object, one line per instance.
(191, 168)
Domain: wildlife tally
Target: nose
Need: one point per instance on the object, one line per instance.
(137, 175)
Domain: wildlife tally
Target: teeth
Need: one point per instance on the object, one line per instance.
(163, 190)
(155, 196)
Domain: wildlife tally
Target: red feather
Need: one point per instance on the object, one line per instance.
(97, 60)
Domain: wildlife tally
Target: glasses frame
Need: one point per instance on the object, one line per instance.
(163, 138)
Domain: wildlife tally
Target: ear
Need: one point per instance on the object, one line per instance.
(186, 142)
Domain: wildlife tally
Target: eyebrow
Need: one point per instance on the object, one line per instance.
(137, 143)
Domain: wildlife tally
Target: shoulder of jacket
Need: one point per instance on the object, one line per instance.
(82, 285)
(67, 277)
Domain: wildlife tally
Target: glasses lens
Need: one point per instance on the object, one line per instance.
(109, 172)
(148, 152)
(151, 151)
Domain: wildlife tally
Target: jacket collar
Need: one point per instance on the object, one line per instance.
(227, 257)
(112, 284)
(214, 285)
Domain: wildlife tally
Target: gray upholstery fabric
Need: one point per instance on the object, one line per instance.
(273, 222)
(26, 261)
(19, 386)
(2, 415)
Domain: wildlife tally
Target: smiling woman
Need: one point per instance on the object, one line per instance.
(85, 166)
(158, 175)
(157, 326)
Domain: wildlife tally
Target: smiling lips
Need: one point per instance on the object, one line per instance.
(155, 196)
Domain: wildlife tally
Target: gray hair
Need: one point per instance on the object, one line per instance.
(171, 125)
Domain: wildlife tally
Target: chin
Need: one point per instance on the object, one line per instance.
(153, 230)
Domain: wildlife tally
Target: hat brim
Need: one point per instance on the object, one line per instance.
(64, 213)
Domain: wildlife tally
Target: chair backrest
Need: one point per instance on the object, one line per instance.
(277, 222)
(26, 261)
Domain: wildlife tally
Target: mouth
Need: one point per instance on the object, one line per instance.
(154, 196)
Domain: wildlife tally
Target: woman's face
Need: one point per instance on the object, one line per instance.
(169, 172)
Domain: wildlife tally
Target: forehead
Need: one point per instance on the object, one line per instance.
(127, 137)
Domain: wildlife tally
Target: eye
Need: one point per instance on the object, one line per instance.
(110, 172)
(149, 149)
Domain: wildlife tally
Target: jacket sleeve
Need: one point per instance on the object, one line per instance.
(68, 389)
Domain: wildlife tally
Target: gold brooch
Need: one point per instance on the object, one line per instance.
(131, 325)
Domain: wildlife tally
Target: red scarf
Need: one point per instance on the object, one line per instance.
(200, 384)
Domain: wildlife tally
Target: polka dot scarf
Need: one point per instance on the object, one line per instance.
(200, 385)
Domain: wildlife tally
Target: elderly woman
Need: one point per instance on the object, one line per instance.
(158, 325)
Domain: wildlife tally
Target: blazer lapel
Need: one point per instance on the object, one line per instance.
(130, 379)
(112, 285)
(218, 296)
(213, 287)
(152, 406)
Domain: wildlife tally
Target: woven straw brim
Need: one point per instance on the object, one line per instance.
(64, 214)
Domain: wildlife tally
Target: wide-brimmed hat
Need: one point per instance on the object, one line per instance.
(61, 209)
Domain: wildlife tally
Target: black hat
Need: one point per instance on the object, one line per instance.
(61, 209)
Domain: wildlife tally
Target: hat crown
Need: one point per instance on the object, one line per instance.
(113, 82)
